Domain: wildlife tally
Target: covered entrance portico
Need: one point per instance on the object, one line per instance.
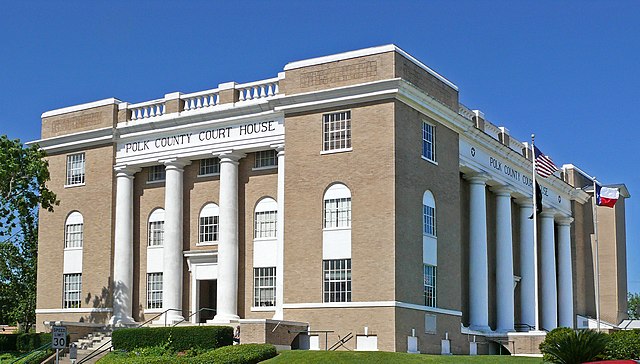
(203, 265)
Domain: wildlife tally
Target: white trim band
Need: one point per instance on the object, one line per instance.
(80, 107)
(397, 304)
(74, 310)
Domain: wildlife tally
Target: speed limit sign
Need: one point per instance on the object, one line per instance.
(59, 337)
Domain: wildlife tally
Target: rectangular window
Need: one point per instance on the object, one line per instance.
(154, 290)
(157, 173)
(429, 220)
(336, 131)
(156, 233)
(73, 236)
(430, 285)
(337, 280)
(265, 224)
(75, 169)
(428, 141)
(337, 212)
(208, 229)
(72, 290)
(264, 287)
(209, 166)
(266, 158)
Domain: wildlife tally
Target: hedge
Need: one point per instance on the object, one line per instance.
(8, 342)
(237, 354)
(31, 341)
(174, 338)
(623, 345)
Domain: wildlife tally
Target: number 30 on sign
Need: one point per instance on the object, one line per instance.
(59, 337)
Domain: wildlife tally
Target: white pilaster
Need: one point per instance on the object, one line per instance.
(123, 248)
(478, 265)
(279, 314)
(527, 279)
(548, 288)
(227, 297)
(565, 279)
(172, 254)
(504, 261)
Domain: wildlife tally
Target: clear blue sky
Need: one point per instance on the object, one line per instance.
(568, 71)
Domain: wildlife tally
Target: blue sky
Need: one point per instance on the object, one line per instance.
(568, 71)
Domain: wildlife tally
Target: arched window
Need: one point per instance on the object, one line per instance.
(208, 224)
(74, 230)
(429, 248)
(266, 215)
(337, 206)
(156, 228)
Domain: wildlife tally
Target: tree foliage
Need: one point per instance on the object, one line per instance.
(566, 346)
(23, 176)
(633, 305)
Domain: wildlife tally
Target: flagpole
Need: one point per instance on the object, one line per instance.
(595, 233)
(535, 235)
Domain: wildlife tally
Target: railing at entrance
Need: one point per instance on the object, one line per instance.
(195, 313)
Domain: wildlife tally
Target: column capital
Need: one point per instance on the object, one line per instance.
(126, 171)
(476, 178)
(230, 156)
(564, 220)
(524, 202)
(548, 213)
(279, 148)
(502, 190)
(175, 163)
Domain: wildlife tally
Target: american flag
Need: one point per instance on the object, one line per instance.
(544, 164)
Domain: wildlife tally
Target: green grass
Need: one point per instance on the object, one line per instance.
(340, 357)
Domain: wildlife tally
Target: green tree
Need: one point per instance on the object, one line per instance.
(23, 175)
(633, 305)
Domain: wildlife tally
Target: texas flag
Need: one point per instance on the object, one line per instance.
(606, 196)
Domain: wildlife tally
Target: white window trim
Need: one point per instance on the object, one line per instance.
(433, 142)
(156, 182)
(264, 168)
(428, 160)
(73, 248)
(331, 151)
(213, 243)
(336, 228)
(263, 309)
(76, 185)
(207, 175)
(84, 170)
(334, 151)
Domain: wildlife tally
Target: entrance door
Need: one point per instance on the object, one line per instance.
(208, 297)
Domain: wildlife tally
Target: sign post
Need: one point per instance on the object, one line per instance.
(58, 340)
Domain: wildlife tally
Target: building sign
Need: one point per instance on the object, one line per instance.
(204, 137)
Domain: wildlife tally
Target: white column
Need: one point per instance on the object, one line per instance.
(527, 280)
(504, 261)
(548, 289)
(565, 278)
(279, 314)
(478, 265)
(227, 298)
(123, 248)
(172, 254)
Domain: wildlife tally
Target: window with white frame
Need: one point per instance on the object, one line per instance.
(154, 290)
(428, 141)
(265, 219)
(266, 158)
(75, 169)
(430, 285)
(208, 229)
(337, 207)
(72, 292)
(156, 228)
(336, 131)
(337, 280)
(73, 230)
(209, 166)
(264, 287)
(157, 173)
(428, 215)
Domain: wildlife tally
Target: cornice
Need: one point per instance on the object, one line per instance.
(84, 139)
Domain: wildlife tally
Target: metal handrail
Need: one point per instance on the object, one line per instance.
(47, 345)
(195, 313)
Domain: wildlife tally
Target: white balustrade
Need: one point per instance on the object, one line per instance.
(258, 89)
(148, 109)
(201, 100)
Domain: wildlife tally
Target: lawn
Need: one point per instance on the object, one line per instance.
(340, 357)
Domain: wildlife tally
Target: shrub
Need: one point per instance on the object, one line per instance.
(8, 342)
(571, 347)
(623, 345)
(176, 338)
(31, 341)
(238, 354)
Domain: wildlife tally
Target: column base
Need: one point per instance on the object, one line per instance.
(480, 328)
(169, 319)
(122, 321)
(224, 319)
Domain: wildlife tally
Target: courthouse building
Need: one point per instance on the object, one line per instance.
(352, 195)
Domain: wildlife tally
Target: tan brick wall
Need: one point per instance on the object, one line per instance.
(407, 319)
(424, 80)
(340, 73)
(94, 201)
(379, 320)
(413, 177)
(89, 119)
(368, 170)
